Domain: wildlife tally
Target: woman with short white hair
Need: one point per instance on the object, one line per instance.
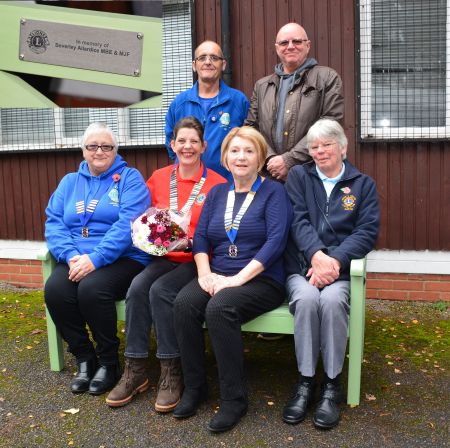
(88, 232)
(336, 220)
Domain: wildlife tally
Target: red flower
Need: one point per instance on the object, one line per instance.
(116, 177)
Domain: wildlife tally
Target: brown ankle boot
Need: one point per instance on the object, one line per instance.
(134, 380)
(170, 385)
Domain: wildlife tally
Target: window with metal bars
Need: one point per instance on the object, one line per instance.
(404, 69)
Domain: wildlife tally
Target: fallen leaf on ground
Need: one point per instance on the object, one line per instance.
(71, 411)
(415, 321)
(397, 371)
(270, 403)
(29, 347)
(370, 397)
(37, 331)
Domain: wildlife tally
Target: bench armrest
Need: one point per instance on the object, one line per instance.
(48, 263)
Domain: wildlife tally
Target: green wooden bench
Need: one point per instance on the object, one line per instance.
(276, 321)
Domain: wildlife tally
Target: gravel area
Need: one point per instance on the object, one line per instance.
(407, 409)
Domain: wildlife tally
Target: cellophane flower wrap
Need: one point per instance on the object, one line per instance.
(159, 231)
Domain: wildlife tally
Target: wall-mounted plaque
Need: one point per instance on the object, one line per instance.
(101, 49)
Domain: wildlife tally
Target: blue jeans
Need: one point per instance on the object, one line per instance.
(150, 300)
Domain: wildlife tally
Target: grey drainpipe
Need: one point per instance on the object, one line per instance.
(225, 27)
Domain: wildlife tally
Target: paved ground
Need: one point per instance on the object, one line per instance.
(405, 391)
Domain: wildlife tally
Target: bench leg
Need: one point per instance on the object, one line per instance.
(55, 345)
(356, 339)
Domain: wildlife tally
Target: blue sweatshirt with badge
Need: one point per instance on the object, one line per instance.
(109, 230)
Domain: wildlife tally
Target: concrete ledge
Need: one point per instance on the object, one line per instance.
(21, 249)
(409, 261)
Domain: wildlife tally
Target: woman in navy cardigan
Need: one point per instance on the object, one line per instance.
(238, 248)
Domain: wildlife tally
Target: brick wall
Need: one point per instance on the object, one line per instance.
(23, 273)
(430, 287)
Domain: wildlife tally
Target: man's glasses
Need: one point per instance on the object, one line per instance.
(211, 57)
(295, 42)
(104, 148)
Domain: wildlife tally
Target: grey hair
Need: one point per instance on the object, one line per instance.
(99, 128)
(326, 128)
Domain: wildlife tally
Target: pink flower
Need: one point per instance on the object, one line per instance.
(116, 177)
(160, 228)
(166, 243)
(158, 242)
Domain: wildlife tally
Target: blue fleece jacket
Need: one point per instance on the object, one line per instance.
(109, 227)
(228, 110)
(351, 210)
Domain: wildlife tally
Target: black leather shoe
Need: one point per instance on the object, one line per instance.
(85, 372)
(229, 415)
(295, 409)
(104, 379)
(190, 402)
(327, 413)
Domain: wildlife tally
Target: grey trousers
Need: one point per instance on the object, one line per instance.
(320, 324)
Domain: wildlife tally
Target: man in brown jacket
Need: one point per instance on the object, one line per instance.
(285, 104)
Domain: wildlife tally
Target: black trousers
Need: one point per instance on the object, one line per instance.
(224, 313)
(91, 301)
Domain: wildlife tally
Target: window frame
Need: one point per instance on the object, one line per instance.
(367, 130)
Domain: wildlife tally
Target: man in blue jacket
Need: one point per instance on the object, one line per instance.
(218, 107)
(336, 219)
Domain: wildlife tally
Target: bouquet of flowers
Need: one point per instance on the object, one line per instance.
(159, 231)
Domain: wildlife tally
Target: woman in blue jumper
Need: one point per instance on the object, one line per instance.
(88, 232)
(244, 225)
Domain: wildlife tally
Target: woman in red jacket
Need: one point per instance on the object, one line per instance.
(183, 188)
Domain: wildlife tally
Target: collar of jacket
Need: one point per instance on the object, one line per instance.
(224, 93)
(351, 172)
(275, 79)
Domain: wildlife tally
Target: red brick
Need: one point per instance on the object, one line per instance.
(14, 268)
(436, 277)
(408, 285)
(31, 269)
(20, 277)
(379, 284)
(372, 293)
(445, 296)
(4, 276)
(438, 286)
(392, 295)
(424, 295)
